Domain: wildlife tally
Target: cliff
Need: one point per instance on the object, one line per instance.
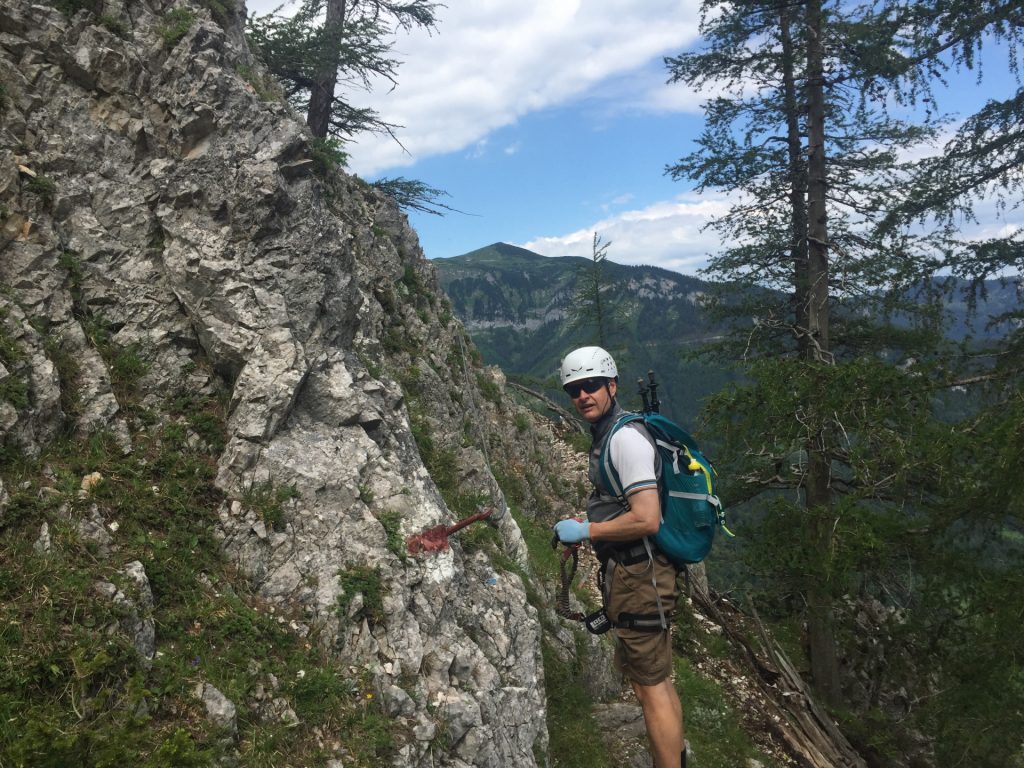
(244, 353)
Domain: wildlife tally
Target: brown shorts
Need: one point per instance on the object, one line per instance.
(644, 656)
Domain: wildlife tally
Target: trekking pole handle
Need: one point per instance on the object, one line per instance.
(643, 394)
(655, 402)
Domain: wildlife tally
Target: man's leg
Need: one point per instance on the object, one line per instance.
(663, 715)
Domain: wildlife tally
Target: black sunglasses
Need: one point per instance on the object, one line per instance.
(590, 386)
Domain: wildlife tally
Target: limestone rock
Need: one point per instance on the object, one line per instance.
(219, 708)
(185, 245)
(43, 542)
(136, 604)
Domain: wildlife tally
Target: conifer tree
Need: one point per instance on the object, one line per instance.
(594, 309)
(331, 45)
(839, 413)
(812, 162)
(968, 612)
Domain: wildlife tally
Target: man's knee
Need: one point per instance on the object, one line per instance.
(660, 693)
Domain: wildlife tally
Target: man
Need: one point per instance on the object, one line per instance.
(639, 583)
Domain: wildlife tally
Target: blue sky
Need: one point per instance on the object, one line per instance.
(549, 120)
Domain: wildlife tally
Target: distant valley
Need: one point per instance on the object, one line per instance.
(515, 304)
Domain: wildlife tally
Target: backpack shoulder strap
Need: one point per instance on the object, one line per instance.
(609, 475)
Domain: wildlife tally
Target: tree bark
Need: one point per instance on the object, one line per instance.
(824, 665)
(321, 96)
(797, 179)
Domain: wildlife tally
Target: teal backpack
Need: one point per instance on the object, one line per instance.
(691, 510)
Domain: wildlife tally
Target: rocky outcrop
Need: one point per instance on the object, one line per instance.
(163, 224)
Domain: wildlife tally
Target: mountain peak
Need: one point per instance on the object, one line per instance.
(498, 252)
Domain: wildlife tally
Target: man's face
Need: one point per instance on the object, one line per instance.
(595, 404)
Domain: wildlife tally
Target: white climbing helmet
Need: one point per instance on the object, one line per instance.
(587, 363)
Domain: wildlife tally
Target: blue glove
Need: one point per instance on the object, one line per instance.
(572, 531)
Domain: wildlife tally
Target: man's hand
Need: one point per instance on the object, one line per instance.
(572, 531)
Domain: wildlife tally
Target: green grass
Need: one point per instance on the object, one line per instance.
(268, 501)
(489, 390)
(366, 581)
(42, 187)
(14, 388)
(391, 520)
(713, 728)
(73, 691)
(442, 464)
(575, 737)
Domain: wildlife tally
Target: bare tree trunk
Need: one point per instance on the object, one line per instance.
(824, 666)
(321, 97)
(797, 179)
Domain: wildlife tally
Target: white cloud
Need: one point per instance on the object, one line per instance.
(489, 62)
(667, 234)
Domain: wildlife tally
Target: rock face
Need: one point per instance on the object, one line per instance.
(153, 205)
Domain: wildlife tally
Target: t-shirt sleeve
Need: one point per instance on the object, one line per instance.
(632, 456)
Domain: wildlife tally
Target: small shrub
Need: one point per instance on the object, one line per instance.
(14, 388)
(268, 500)
(115, 25)
(480, 537)
(327, 155)
(411, 280)
(127, 368)
(411, 381)
(366, 581)
(70, 7)
(575, 735)
(265, 87)
(222, 11)
(712, 725)
(42, 187)
(177, 23)
(68, 373)
(392, 522)
(489, 390)
(579, 441)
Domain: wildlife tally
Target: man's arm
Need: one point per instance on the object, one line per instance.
(642, 519)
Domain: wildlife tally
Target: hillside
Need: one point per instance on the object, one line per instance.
(514, 303)
(232, 390)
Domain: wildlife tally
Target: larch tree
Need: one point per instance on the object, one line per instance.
(326, 49)
(968, 616)
(595, 310)
(809, 161)
(330, 46)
